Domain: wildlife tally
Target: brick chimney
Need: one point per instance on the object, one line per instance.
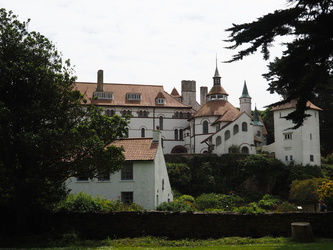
(99, 81)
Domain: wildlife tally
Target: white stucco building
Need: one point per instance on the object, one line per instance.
(301, 145)
(143, 180)
(213, 126)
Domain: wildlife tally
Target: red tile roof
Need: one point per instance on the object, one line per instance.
(292, 104)
(138, 149)
(222, 108)
(148, 94)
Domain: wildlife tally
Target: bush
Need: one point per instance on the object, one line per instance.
(285, 207)
(85, 203)
(251, 208)
(305, 190)
(268, 202)
(217, 201)
(175, 206)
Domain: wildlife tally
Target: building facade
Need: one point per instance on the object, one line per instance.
(143, 179)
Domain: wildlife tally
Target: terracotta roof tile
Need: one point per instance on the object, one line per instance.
(148, 94)
(292, 104)
(137, 149)
(218, 108)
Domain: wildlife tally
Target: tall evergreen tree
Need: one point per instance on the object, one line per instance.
(46, 136)
(305, 69)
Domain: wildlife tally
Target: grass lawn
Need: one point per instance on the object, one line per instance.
(233, 243)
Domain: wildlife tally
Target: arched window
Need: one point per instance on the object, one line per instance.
(143, 132)
(218, 140)
(205, 127)
(161, 122)
(236, 129)
(181, 136)
(245, 150)
(226, 135)
(176, 134)
(180, 114)
(244, 126)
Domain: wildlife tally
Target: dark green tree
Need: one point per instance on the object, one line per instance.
(46, 136)
(305, 68)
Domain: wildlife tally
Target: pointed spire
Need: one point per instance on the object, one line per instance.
(217, 77)
(245, 93)
(256, 120)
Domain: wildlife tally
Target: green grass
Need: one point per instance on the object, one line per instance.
(234, 243)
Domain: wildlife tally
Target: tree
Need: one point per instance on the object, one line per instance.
(46, 135)
(305, 68)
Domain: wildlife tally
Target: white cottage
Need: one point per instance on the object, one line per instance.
(143, 179)
(301, 145)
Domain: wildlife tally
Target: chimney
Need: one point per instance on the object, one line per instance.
(157, 135)
(99, 81)
(203, 95)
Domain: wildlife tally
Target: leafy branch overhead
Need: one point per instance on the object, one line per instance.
(305, 68)
(47, 132)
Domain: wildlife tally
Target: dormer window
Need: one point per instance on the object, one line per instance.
(133, 96)
(103, 95)
(160, 100)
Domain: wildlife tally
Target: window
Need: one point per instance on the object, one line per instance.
(127, 171)
(127, 197)
(161, 122)
(226, 135)
(258, 133)
(133, 96)
(176, 114)
(176, 134)
(286, 157)
(188, 115)
(218, 140)
(103, 95)
(126, 112)
(310, 136)
(244, 126)
(163, 184)
(291, 158)
(143, 132)
(180, 114)
(236, 129)
(104, 176)
(245, 150)
(181, 136)
(205, 127)
(81, 178)
(311, 158)
(288, 136)
(160, 101)
(110, 112)
(142, 113)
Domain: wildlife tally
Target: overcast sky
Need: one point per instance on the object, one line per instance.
(158, 42)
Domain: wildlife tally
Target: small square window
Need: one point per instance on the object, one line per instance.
(127, 197)
(81, 178)
(103, 177)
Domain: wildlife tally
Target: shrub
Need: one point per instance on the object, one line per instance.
(305, 190)
(175, 206)
(268, 201)
(217, 201)
(251, 208)
(85, 203)
(325, 191)
(285, 206)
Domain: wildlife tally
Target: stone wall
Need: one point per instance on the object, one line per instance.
(176, 225)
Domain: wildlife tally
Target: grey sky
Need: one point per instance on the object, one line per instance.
(153, 41)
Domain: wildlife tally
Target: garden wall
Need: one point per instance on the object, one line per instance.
(175, 225)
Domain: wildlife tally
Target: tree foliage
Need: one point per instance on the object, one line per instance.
(45, 134)
(305, 69)
(305, 190)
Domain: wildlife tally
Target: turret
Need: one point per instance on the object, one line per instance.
(245, 101)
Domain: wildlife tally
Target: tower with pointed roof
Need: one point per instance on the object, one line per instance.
(245, 100)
